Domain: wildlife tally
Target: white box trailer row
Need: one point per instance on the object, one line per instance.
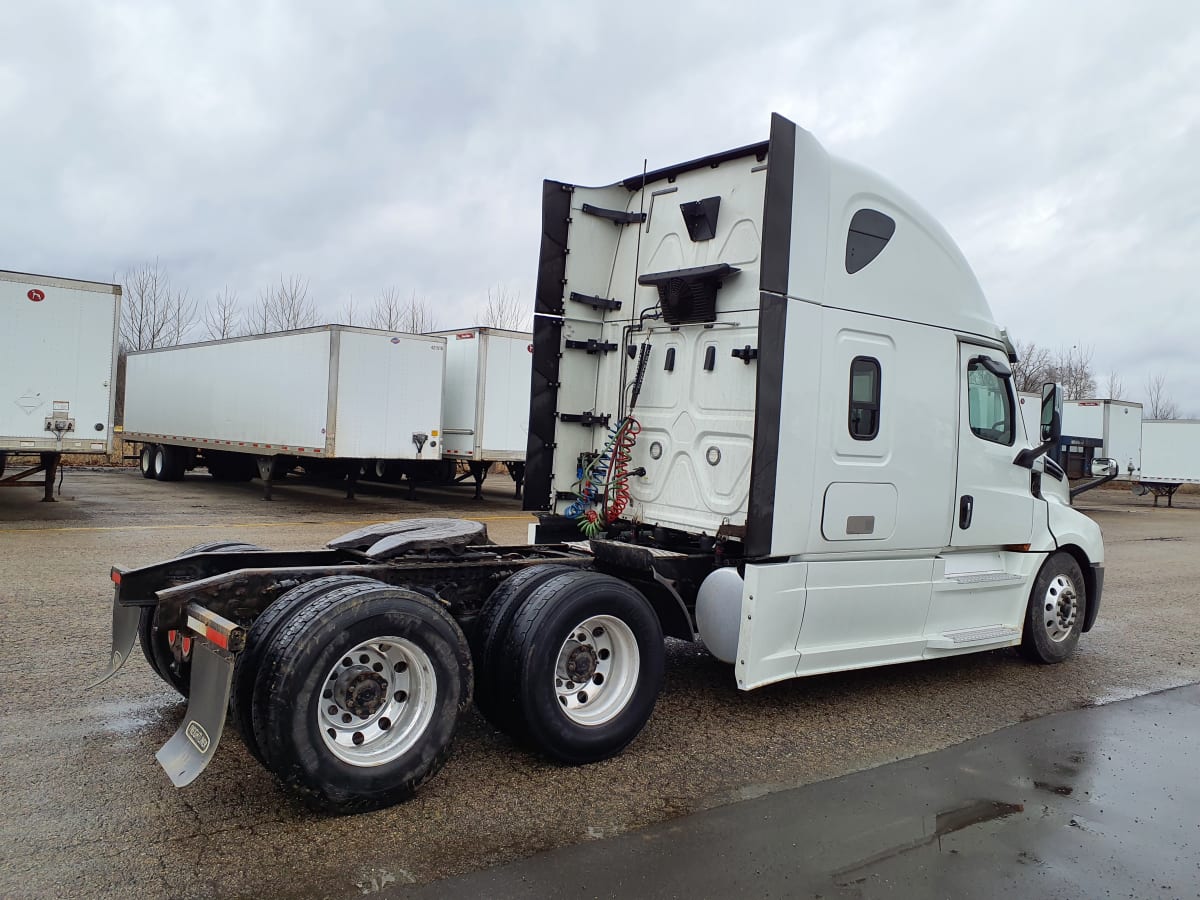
(58, 358)
(333, 399)
(770, 410)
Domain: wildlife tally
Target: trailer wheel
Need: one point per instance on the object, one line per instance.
(156, 643)
(146, 460)
(587, 653)
(363, 688)
(494, 695)
(1057, 605)
(169, 462)
(262, 632)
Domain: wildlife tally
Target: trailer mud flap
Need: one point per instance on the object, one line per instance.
(124, 633)
(191, 748)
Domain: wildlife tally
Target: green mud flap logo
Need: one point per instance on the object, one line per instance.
(197, 736)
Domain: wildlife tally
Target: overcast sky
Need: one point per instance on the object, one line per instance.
(367, 145)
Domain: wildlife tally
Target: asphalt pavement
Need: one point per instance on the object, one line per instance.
(1098, 802)
(87, 812)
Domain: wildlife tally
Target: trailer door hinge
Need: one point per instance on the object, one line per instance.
(745, 354)
(587, 419)
(591, 345)
(616, 216)
(595, 302)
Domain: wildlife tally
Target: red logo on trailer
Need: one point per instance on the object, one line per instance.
(36, 296)
(530, 348)
(465, 336)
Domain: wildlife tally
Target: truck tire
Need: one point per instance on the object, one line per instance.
(494, 696)
(364, 688)
(146, 460)
(262, 632)
(156, 644)
(1056, 610)
(585, 653)
(169, 462)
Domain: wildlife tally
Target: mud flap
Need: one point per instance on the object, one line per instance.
(191, 748)
(124, 632)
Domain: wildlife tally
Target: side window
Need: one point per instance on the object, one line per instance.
(989, 402)
(864, 398)
(870, 231)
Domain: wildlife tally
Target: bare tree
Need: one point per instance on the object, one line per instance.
(387, 311)
(1159, 405)
(1033, 366)
(418, 316)
(282, 308)
(1072, 368)
(348, 312)
(221, 316)
(1116, 387)
(504, 310)
(153, 313)
(393, 314)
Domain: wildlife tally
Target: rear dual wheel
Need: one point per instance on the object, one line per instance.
(146, 460)
(579, 668)
(169, 462)
(358, 695)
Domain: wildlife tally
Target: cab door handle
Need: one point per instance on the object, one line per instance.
(966, 506)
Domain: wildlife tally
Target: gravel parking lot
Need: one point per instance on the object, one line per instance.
(88, 812)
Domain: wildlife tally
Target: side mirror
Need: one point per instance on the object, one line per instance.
(1103, 466)
(1052, 406)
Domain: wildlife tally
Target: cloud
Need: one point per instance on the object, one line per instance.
(371, 145)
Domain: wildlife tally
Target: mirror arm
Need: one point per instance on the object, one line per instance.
(1075, 491)
(1026, 458)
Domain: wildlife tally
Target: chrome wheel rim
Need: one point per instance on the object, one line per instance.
(1060, 608)
(376, 701)
(596, 672)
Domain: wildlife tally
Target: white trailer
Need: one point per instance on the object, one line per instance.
(486, 406)
(332, 398)
(1101, 429)
(770, 411)
(1170, 456)
(58, 358)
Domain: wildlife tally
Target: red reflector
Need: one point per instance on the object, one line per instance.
(216, 637)
(116, 576)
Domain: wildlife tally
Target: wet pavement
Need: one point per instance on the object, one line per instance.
(1099, 802)
(87, 812)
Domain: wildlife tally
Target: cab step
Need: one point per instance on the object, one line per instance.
(974, 637)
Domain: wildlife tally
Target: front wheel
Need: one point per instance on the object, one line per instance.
(358, 696)
(1057, 605)
(586, 657)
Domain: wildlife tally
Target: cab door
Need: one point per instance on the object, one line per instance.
(993, 502)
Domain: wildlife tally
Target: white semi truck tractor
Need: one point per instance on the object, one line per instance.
(770, 411)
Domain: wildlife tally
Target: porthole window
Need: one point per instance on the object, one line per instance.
(864, 398)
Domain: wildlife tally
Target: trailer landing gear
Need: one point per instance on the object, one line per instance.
(49, 463)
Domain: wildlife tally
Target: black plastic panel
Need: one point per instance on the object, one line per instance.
(700, 216)
(552, 258)
(670, 173)
(870, 231)
(543, 407)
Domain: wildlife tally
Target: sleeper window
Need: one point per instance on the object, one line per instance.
(990, 404)
(864, 398)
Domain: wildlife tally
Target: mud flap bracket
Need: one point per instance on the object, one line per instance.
(124, 633)
(192, 746)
